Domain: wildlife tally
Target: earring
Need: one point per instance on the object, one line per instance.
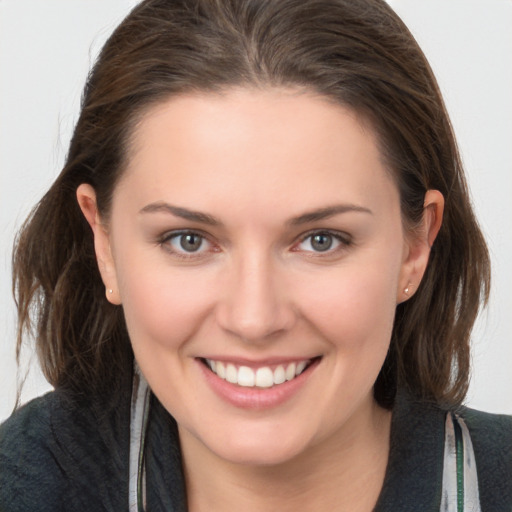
(407, 289)
(112, 297)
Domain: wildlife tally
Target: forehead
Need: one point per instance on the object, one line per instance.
(276, 144)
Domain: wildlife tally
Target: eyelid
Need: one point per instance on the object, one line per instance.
(164, 239)
(344, 238)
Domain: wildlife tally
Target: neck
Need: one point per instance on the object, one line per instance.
(343, 473)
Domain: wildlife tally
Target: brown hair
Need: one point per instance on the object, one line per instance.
(355, 52)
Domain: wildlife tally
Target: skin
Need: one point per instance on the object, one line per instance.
(257, 289)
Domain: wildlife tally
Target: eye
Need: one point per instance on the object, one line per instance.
(322, 241)
(185, 243)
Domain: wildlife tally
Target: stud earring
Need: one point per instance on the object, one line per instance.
(110, 290)
(407, 289)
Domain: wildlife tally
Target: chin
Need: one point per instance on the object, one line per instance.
(257, 455)
(258, 449)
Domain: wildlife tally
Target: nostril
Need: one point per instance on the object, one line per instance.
(250, 323)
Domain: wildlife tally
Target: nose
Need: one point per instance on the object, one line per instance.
(255, 306)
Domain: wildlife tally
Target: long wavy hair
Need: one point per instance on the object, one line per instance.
(357, 53)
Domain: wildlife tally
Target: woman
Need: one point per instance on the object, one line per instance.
(254, 281)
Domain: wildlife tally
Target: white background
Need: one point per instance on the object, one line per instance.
(47, 47)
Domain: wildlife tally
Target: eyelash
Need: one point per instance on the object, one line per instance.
(343, 239)
(165, 241)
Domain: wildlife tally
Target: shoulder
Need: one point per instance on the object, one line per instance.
(26, 467)
(491, 436)
(488, 424)
(57, 453)
(416, 459)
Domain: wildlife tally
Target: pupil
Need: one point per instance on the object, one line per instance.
(190, 242)
(321, 242)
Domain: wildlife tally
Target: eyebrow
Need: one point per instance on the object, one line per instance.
(184, 213)
(205, 218)
(329, 211)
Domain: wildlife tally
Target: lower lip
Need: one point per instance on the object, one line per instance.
(257, 398)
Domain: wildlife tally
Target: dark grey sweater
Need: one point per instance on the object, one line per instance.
(62, 454)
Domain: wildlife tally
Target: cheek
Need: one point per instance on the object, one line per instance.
(353, 312)
(162, 306)
(353, 307)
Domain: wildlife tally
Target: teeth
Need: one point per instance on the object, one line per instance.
(290, 371)
(300, 367)
(263, 377)
(219, 369)
(231, 374)
(279, 375)
(246, 377)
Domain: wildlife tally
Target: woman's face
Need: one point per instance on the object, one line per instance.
(258, 233)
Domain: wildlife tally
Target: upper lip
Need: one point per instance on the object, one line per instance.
(252, 363)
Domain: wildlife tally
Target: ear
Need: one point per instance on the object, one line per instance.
(86, 197)
(417, 248)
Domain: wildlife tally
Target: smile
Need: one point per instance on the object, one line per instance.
(262, 377)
